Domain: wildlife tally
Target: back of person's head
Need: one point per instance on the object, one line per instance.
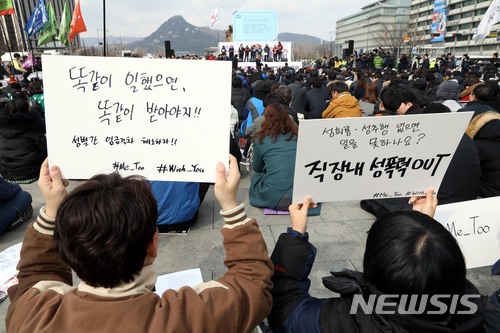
(420, 83)
(104, 226)
(338, 86)
(300, 77)
(17, 105)
(408, 252)
(285, 93)
(392, 97)
(436, 108)
(237, 82)
(273, 97)
(315, 82)
(277, 121)
(495, 88)
(408, 96)
(370, 93)
(448, 90)
(483, 92)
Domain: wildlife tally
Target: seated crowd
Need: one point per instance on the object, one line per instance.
(106, 229)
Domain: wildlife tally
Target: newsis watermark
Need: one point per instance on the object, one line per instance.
(414, 304)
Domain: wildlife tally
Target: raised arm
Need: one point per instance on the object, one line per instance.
(39, 258)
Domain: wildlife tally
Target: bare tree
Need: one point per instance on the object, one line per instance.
(392, 36)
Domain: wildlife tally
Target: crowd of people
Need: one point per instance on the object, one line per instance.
(106, 229)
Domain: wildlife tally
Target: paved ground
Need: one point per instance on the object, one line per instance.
(339, 233)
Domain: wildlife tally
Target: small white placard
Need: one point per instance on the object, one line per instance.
(190, 278)
(375, 157)
(165, 119)
(8, 262)
(476, 226)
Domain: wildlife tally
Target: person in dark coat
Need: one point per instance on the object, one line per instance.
(424, 96)
(316, 98)
(484, 129)
(406, 253)
(404, 63)
(23, 146)
(239, 95)
(479, 99)
(299, 91)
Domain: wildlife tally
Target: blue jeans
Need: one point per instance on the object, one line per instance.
(11, 209)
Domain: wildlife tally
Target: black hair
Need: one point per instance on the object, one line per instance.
(104, 226)
(483, 92)
(408, 252)
(392, 97)
(316, 82)
(237, 82)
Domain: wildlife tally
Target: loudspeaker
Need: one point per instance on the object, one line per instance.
(169, 53)
(167, 45)
(350, 47)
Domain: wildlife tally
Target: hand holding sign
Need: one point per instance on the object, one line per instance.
(375, 157)
(426, 204)
(158, 120)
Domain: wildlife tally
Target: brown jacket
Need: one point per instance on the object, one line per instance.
(45, 300)
(343, 106)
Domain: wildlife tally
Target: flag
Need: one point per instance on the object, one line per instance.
(77, 24)
(491, 17)
(37, 19)
(49, 31)
(214, 19)
(6, 7)
(65, 25)
(29, 62)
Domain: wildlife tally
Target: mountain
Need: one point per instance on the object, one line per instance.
(185, 37)
(110, 40)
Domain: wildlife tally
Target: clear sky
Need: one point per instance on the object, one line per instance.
(141, 18)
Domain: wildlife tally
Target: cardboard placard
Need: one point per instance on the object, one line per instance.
(163, 119)
(375, 157)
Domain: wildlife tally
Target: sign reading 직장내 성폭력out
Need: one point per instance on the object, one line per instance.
(153, 117)
(375, 157)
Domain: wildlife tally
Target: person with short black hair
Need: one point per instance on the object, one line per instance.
(316, 98)
(407, 254)
(390, 101)
(105, 231)
(478, 100)
(342, 103)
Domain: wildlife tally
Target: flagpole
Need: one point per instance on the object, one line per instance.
(23, 10)
(8, 48)
(104, 27)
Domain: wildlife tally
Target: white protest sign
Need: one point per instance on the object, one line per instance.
(163, 119)
(375, 157)
(476, 226)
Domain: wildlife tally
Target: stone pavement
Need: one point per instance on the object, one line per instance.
(339, 234)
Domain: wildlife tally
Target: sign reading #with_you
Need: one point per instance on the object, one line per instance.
(153, 117)
(375, 157)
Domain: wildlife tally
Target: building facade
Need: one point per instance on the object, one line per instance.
(13, 37)
(380, 24)
(419, 26)
(462, 19)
